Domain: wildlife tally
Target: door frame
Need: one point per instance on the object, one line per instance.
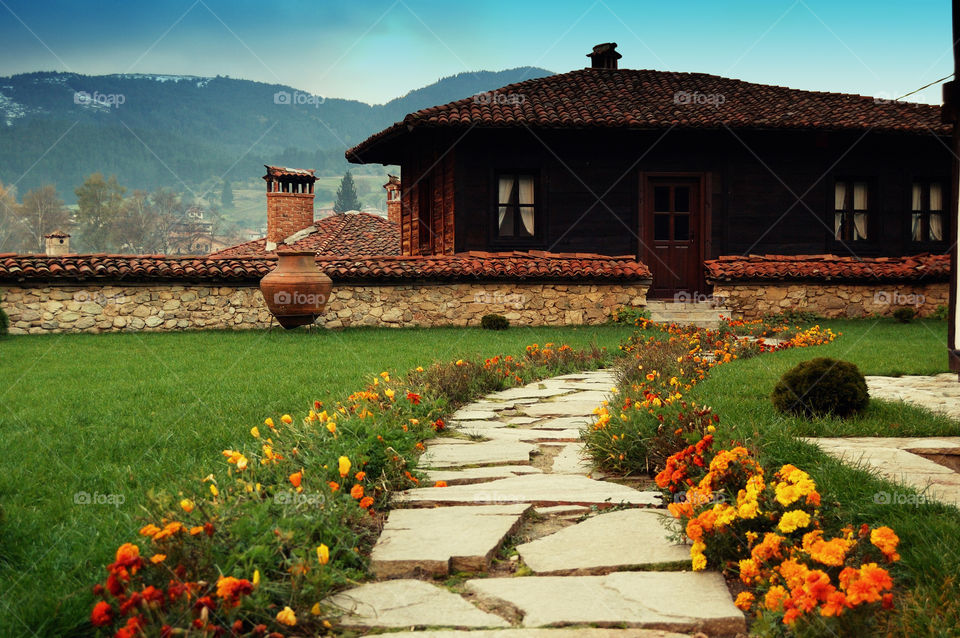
(703, 242)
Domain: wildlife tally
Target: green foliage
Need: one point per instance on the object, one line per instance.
(630, 315)
(4, 321)
(99, 201)
(494, 321)
(346, 195)
(905, 314)
(822, 387)
(942, 313)
(794, 317)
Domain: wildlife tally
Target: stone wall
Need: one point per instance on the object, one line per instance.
(163, 307)
(752, 300)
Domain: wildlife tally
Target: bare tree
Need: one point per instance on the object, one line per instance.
(41, 213)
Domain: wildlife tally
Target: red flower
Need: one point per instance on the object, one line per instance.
(102, 614)
(413, 398)
(439, 425)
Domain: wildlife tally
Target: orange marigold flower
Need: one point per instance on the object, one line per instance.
(231, 589)
(196, 530)
(102, 614)
(440, 484)
(334, 486)
(357, 491)
(884, 539)
(413, 398)
(360, 475)
(744, 601)
(366, 502)
(158, 558)
(286, 418)
(835, 605)
(296, 478)
(187, 505)
(149, 530)
(287, 617)
(775, 598)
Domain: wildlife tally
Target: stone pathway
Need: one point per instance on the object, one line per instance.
(596, 558)
(937, 393)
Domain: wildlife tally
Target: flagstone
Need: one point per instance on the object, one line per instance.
(562, 423)
(501, 452)
(634, 538)
(560, 408)
(677, 601)
(596, 396)
(539, 489)
(562, 510)
(470, 475)
(408, 603)
(476, 425)
(534, 391)
(520, 420)
(535, 632)
(572, 459)
(432, 542)
(471, 414)
(531, 435)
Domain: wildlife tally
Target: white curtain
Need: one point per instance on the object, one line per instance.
(504, 197)
(860, 196)
(916, 227)
(839, 200)
(526, 197)
(916, 200)
(936, 227)
(936, 197)
(837, 224)
(936, 216)
(859, 226)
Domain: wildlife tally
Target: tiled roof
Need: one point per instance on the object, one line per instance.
(283, 171)
(346, 234)
(16, 269)
(828, 268)
(57, 234)
(645, 99)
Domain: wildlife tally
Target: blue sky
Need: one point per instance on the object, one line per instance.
(375, 50)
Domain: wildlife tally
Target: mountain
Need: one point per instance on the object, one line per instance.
(177, 131)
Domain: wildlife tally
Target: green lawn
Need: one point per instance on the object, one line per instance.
(121, 414)
(740, 394)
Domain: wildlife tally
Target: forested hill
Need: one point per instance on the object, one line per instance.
(163, 130)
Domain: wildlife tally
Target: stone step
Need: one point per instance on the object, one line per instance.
(676, 601)
(565, 632)
(432, 542)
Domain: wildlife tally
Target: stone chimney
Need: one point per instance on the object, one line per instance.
(289, 202)
(604, 56)
(393, 198)
(58, 243)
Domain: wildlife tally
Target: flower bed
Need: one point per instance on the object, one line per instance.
(289, 515)
(762, 526)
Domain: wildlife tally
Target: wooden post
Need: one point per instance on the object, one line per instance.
(951, 114)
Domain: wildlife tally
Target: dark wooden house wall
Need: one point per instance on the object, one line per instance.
(588, 191)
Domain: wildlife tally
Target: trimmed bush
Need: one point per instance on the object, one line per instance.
(494, 322)
(905, 314)
(4, 321)
(821, 387)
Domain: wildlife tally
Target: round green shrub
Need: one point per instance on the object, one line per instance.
(4, 322)
(905, 314)
(821, 387)
(494, 322)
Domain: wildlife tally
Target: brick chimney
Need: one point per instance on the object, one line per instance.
(604, 56)
(393, 198)
(289, 202)
(58, 243)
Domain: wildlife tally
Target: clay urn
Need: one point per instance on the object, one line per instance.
(296, 292)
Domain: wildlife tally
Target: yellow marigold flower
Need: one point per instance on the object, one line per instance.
(332, 427)
(414, 421)
(323, 554)
(386, 376)
(343, 465)
(158, 558)
(697, 558)
(286, 418)
(187, 505)
(256, 577)
(315, 610)
(312, 416)
(419, 368)
(744, 601)
(242, 463)
(793, 520)
(214, 490)
(287, 617)
(269, 422)
(255, 432)
(390, 393)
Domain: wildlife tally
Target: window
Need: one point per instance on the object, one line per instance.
(393, 195)
(926, 211)
(851, 210)
(516, 209)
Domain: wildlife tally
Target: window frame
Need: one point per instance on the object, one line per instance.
(537, 238)
(925, 211)
(870, 211)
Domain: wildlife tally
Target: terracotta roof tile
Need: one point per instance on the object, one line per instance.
(15, 269)
(828, 268)
(647, 99)
(346, 234)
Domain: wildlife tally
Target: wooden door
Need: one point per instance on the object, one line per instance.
(672, 214)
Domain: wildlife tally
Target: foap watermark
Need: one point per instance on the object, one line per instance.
(884, 97)
(692, 297)
(700, 499)
(297, 98)
(293, 297)
(900, 498)
(495, 97)
(499, 298)
(297, 499)
(85, 98)
(696, 98)
(86, 498)
(897, 298)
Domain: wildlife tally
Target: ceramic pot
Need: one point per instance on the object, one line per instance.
(296, 292)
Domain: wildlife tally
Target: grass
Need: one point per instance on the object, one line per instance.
(740, 394)
(122, 414)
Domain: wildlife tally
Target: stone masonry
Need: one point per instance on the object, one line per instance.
(99, 307)
(753, 300)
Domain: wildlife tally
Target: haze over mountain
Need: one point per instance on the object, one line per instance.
(176, 131)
